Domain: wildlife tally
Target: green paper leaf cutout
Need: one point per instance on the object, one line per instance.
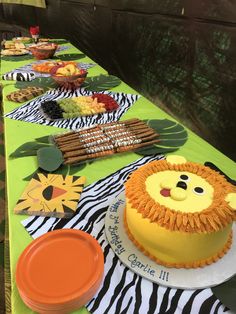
(152, 150)
(59, 41)
(162, 124)
(101, 82)
(43, 82)
(70, 56)
(17, 58)
(30, 176)
(226, 293)
(23, 154)
(27, 149)
(43, 139)
(49, 158)
(171, 135)
(74, 169)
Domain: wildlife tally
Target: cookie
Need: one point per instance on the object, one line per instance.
(25, 94)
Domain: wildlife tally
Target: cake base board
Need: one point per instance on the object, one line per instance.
(129, 254)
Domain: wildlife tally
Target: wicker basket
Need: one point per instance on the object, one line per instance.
(70, 82)
(41, 53)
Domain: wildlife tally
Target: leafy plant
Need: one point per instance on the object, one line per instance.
(171, 135)
(101, 82)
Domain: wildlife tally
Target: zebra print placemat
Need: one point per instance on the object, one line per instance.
(123, 291)
(31, 112)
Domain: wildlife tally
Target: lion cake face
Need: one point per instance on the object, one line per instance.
(180, 190)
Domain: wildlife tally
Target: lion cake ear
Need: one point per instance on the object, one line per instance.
(231, 199)
(176, 159)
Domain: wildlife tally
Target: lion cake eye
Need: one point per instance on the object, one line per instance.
(198, 190)
(184, 177)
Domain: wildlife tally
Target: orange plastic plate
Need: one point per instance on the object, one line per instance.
(60, 269)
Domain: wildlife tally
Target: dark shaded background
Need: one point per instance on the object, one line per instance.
(180, 54)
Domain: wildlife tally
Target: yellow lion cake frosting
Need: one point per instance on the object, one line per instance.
(180, 213)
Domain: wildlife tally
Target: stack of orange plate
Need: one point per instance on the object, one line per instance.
(60, 271)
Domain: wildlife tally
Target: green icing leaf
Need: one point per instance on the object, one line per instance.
(226, 293)
(27, 149)
(171, 134)
(49, 158)
(43, 82)
(70, 56)
(101, 82)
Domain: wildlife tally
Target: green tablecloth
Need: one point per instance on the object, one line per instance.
(18, 132)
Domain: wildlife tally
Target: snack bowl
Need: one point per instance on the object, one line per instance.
(41, 52)
(68, 80)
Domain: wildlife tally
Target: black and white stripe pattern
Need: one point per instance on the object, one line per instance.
(19, 76)
(29, 74)
(122, 291)
(31, 111)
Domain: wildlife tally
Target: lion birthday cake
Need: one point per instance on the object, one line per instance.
(180, 213)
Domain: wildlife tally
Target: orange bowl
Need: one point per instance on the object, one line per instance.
(71, 81)
(44, 51)
(60, 271)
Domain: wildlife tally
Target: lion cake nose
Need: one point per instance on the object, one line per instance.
(178, 194)
(182, 185)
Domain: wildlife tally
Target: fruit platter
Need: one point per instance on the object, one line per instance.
(46, 66)
(75, 107)
(69, 75)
